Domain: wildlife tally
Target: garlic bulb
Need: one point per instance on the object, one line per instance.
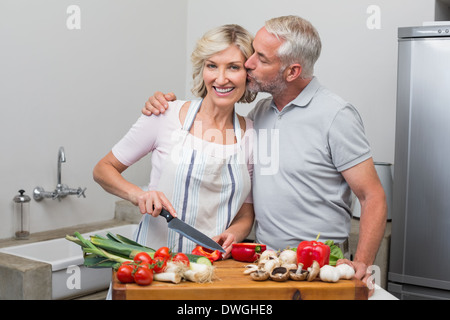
(345, 271)
(288, 256)
(329, 274)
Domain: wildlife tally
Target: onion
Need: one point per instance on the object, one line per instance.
(199, 272)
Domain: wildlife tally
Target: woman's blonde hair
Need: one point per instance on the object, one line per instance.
(213, 42)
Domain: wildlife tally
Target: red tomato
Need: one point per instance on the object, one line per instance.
(125, 273)
(144, 265)
(159, 264)
(181, 257)
(142, 257)
(143, 276)
(163, 252)
(130, 263)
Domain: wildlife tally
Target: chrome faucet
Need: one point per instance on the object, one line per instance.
(61, 159)
(61, 190)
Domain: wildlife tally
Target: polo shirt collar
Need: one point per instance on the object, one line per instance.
(307, 94)
(304, 98)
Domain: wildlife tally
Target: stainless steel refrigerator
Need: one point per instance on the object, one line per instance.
(419, 266)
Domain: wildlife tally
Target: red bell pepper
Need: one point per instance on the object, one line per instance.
(308, 251)
(212, 255)
(247, 252)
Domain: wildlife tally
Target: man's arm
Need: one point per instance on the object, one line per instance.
(157, 103)
(364, 182)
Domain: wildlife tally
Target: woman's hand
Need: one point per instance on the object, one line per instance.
(239, 228)
(226, 240)
(152, 202)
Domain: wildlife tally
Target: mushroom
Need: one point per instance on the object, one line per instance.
(267, 255)
(298, 274)
(250, 268)
(269, 265)
(289, 266)
(313, 271)
(279, 274)
(259, 275)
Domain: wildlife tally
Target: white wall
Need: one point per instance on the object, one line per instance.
(357, 63)
(81, 89)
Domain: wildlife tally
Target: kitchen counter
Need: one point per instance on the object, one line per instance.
(24, 278)
(61, 233)
(382, 294)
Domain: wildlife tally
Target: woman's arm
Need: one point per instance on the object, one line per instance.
(108, 174)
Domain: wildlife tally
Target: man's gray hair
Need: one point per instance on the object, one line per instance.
(301, 42)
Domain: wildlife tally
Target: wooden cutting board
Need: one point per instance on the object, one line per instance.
(232, 284)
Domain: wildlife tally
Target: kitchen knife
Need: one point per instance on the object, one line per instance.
(189, 232)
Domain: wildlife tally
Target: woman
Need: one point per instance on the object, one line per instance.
(202, 152)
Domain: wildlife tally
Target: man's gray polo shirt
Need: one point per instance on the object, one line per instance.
(298, 191)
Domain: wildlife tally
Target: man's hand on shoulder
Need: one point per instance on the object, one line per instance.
(158, 103)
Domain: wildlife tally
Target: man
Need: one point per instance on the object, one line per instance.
(322, 150)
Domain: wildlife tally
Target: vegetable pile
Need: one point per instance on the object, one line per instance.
(135, 263)
(309, 261)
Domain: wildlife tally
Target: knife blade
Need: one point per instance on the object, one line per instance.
(190, 232)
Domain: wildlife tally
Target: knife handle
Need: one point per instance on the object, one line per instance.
(166, 214)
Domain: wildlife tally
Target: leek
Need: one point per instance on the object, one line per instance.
(101, 252)
(129, 241)
(120, 248)
(92, 261)
(113, 237)
(90, 250)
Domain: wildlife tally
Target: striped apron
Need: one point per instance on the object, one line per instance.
(205, 189)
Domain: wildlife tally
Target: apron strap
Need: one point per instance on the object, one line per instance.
(192, 112)
(237, 129)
